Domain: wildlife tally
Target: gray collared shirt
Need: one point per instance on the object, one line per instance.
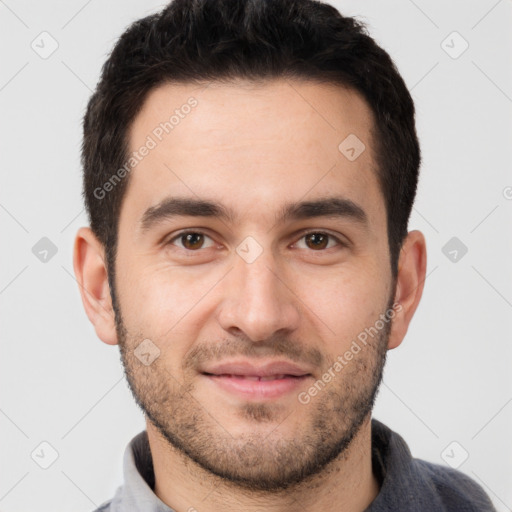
(407, 484)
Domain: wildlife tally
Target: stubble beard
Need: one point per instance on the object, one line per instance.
(260, 459)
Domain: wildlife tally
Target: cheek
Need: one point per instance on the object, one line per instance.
(163, 301)
(343, 302)
(168, 307)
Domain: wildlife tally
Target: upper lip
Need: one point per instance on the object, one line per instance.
(258, 370)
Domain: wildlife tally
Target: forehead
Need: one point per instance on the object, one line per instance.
(246, 144)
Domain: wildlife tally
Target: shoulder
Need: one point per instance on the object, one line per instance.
(456, 490)
(408, 483)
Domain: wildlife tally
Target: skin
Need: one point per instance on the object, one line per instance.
(254, 148)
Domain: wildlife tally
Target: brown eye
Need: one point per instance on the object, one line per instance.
(191, 240)
(317, 240)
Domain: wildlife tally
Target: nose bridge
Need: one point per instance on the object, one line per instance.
(259, 279)
(257, 299)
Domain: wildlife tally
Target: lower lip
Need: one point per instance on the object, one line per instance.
(258, 388)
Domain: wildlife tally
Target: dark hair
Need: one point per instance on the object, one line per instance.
(196, 41)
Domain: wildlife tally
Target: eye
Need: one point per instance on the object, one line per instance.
(191, 240)
(318, 240)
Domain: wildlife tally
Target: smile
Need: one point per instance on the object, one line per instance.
(255, 386)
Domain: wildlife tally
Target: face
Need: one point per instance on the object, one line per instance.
(251, 245)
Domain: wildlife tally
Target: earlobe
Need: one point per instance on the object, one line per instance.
(91, 274)
(412, 268)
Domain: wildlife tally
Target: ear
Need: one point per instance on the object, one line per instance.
(412, 267)
(91, 275)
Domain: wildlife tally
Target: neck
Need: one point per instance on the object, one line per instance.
(348, 482)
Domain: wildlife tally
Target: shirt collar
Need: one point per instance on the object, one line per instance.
(139, 480)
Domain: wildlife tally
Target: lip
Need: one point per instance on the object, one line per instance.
(265, 369)
(242, 378)
(257, 389)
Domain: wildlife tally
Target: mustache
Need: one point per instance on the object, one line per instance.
(242, 346)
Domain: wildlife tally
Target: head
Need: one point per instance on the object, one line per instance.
(282, 137)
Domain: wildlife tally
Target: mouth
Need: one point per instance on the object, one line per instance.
(256, 377)
(257, 386)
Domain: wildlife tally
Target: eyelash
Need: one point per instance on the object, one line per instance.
(302, 235)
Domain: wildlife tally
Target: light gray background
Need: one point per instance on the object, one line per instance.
(449, 381)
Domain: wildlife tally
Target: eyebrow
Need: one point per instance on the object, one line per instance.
(170, 207)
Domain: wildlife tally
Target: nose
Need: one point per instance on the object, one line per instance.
(258, 300)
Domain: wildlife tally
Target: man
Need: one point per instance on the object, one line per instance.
(249, 172)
